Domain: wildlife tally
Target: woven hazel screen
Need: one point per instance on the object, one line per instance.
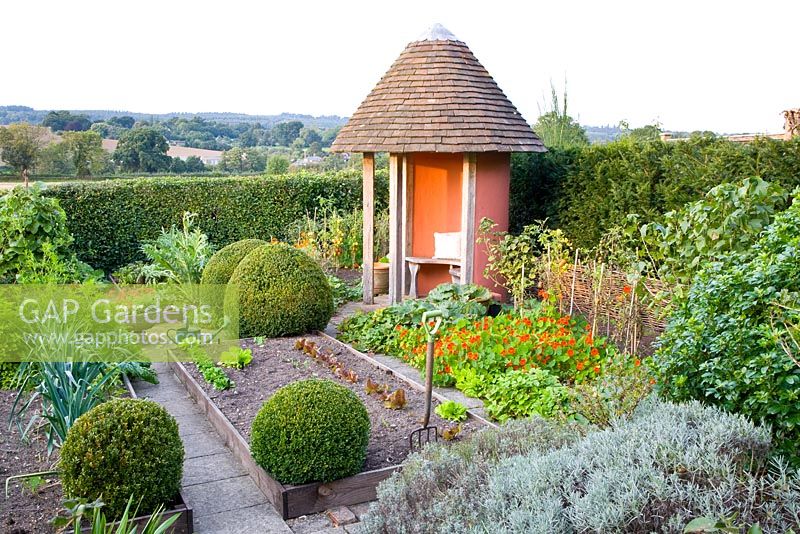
(611, 302)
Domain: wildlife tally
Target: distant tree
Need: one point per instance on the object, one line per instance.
(309, 136)
(55, 160)
(315, 149)
(649, 132)
(556, 128)
(21, 145)
(284, 133)
(108, 131)
(278, 165)
(178, 166)
(103, 128)
(298, 148)
(86, 151)
(125, 121)
(142, 150)
(60, 121)
(256, 159)
(233, 160)
(249, 138)
(194, 164)
(329, 135)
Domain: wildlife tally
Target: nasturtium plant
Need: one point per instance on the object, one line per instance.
(540, 338)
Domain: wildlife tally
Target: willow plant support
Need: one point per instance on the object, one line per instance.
(572, 287)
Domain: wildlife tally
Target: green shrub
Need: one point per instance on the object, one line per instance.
(32, 228)
(719, 345)
(121, 448)
(222, 264)
(653, 473)
(281, 292)
(311, 430)
(111, 219)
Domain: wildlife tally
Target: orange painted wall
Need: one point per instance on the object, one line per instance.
(493, 180)
(437, 208)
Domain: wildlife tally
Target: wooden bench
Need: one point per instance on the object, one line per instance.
(415, 261)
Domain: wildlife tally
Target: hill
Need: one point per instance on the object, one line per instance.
(11, 114)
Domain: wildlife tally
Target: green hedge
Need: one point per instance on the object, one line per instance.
(588, 191)
(111, 219)
(584, 191)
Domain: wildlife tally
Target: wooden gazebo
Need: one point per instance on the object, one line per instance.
(449, 131)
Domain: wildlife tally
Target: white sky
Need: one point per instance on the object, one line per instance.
(724, 66)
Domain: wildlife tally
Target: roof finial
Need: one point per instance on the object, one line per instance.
(437, 32)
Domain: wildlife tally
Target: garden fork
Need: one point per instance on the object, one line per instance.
(422, 436)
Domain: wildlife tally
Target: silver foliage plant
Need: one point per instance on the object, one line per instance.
(653, 473)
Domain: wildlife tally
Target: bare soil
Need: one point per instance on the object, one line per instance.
(24, 512)
(277, 363)
(348, 275)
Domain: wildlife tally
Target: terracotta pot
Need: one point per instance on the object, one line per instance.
(380, 282)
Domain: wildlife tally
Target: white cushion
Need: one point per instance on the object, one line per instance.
(447, 245)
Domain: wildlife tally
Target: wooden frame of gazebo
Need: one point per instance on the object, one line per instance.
(449, 131)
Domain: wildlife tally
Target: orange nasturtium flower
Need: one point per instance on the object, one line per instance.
(594, 352)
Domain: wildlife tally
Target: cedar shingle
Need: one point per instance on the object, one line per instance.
(437, 97)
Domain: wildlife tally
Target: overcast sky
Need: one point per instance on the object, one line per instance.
(725, 66)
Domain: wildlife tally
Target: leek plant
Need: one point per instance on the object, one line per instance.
(78, 508)
(64, 378)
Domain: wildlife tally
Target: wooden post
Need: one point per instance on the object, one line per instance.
(468, 177)
(368, 244)
(396, 255)
(408, 218)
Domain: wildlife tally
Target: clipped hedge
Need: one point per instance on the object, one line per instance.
(123, 448)
(111, 219)
(587, 191)
(282, 291)
(220, 267)
(311, 430)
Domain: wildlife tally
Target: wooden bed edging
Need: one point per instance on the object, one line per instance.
(289, 501)
(472, 414)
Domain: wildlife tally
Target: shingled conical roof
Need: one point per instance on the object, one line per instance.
(437, 97)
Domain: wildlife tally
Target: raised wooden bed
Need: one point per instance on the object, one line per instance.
(184, 524)
(289, 501)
